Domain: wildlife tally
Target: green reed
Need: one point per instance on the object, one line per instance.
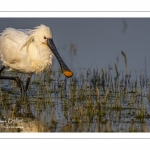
(95, 101)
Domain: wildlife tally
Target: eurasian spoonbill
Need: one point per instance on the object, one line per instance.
(28, 51)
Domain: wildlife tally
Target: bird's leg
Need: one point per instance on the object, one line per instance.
(28, 80)
(19, 82)
(2, 70)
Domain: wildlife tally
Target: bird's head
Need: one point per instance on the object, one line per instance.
(43, 34)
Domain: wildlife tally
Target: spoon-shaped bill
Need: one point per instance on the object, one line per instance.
(65, 70)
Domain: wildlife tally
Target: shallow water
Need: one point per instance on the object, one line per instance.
(91, 102)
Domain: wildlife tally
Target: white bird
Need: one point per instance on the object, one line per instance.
(28, 51)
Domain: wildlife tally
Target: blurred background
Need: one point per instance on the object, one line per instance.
(87, 43)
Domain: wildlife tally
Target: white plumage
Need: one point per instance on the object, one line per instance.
(26, 51)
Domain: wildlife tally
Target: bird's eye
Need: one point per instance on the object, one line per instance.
(45, 37)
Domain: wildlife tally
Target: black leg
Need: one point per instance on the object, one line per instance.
(2, 70)
(28, 80)
(19, 82)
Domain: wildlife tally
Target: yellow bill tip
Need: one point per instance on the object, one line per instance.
(67, 73)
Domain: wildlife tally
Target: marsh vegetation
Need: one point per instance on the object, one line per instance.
(94, 101)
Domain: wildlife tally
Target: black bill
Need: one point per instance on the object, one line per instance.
(65, 70)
